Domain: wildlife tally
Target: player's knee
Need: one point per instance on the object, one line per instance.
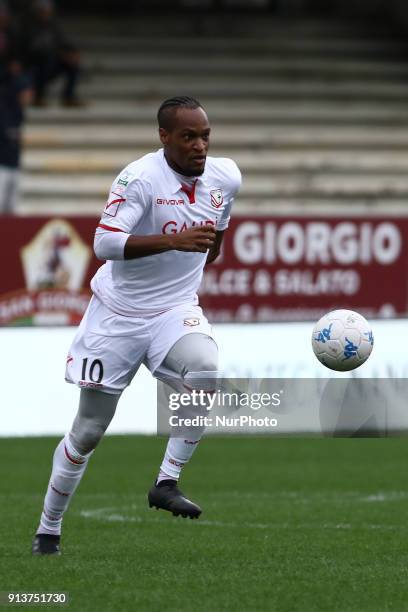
(194, 358)
(202, 355)
(86, 434)
(201, 363)
(201, 370)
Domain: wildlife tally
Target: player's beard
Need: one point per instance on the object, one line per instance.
(195, 172)
(185, 171)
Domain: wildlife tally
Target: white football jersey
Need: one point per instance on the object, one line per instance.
(148, 198)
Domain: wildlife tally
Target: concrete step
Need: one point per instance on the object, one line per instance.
(314, 113)
(226, 24)
(307, 184)
(230, 113)
(267, 138)
(66, 163)
(245, 45)
(157, 65)
(228, 88)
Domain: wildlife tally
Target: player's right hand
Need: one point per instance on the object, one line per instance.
(195, 239)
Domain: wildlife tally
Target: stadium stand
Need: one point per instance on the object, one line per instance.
(314, 111)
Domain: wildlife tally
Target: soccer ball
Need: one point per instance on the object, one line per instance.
(342, 340)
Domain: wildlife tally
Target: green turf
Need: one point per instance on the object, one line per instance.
(288, 525)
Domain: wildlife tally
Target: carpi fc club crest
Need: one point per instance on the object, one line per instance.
(217, 198)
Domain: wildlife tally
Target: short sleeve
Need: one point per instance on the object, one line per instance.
(127, 203)
(233, 184)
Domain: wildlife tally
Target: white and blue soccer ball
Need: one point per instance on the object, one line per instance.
(342, 340)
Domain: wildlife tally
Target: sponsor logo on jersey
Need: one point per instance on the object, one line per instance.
(124, 179)
(217, 198)
(169, 202)
(112, 205)
(173, 227)
(191, 322)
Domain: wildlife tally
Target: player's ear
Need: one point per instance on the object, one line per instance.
(164, 135)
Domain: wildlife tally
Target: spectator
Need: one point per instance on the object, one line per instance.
(15, 94)
(48, 54)
(9, 46)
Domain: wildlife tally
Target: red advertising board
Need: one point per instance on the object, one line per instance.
(282, 268)
(271, 269)
(47, 266)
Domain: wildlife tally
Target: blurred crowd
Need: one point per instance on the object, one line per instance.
(34, 51)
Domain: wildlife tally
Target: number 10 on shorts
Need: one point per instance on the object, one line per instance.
(94, 372)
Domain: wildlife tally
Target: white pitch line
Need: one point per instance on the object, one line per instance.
(113, 515)
(385, 497)
(309, 498)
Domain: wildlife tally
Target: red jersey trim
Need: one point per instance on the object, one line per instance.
(110, 229)
(115, 202)
(190, 192)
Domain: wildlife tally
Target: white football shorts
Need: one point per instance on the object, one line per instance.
(109, 348)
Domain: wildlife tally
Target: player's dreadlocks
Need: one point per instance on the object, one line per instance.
(169, 106)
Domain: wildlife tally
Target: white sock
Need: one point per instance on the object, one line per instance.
(67, 470)
(178, 452)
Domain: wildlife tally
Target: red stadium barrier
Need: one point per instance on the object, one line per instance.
(297, 268)
(48, 265)
(271, 269)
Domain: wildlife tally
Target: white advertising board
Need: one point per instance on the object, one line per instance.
(35, 400)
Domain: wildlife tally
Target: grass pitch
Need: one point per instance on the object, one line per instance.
(288, 525)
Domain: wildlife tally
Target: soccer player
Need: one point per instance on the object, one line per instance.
(163, 222)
